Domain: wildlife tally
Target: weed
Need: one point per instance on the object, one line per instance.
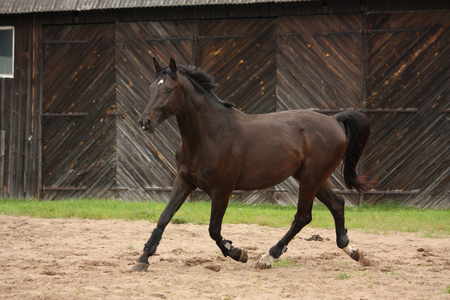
(284, 263)
(179, 220)
(343, 276)
(447, 290)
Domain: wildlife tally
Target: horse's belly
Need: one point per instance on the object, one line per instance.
(259, 183)
(264, 180)
(266, 173)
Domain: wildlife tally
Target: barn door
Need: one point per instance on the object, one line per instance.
(408, 86)
(78, 132)
(319, 67)
(146, 162)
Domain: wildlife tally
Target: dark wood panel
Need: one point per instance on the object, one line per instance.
(391, 6)
(79, 79)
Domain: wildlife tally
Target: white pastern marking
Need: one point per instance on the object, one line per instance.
(350, 249)
(161, 82)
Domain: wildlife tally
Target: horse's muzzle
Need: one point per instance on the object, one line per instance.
(146, 124)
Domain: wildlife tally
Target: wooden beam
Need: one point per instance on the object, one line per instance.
(81, 114)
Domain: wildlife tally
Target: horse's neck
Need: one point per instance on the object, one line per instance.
(199, 119)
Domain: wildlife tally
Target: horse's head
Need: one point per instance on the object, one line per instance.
(165, 97)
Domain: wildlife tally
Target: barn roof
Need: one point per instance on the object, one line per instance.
(32, 6)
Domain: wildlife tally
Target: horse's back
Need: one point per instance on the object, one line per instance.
(278, 144)
(299, 125)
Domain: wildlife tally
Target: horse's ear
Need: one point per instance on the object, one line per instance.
(156, 64)
(173, 66)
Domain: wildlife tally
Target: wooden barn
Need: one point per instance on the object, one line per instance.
(75, 76)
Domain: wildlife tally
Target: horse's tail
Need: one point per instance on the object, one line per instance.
(357, 130)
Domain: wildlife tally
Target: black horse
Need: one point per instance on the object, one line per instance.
(223, 149)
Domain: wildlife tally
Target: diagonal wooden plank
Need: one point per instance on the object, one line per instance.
(146, 160)
(239, 64)
(410, 152)
(79, 151)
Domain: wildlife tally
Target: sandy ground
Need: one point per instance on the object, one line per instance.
(87, 259)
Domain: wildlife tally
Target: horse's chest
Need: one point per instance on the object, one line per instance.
(205, 177)
(199, 179)
(200, 173)
(205, 170)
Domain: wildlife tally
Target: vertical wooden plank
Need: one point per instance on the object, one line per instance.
(3, 123)
(15, 113)
(36, 130)
(2, 162)
(27, 185)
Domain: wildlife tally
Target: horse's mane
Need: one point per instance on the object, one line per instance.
(202, 79)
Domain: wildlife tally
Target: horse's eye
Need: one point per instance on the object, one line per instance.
(169, 90)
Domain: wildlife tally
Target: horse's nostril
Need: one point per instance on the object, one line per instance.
(147, 124)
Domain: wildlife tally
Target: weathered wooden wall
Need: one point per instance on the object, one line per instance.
(20, 119)
(59, 143)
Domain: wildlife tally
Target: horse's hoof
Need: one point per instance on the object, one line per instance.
(262, 265)
(352, 251)
(355, 255)
(140, 267)
(244, 256)
(239, 254)
(265, 262)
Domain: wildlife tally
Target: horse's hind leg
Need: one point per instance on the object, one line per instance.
(302, 218)
(335, 204)
(218, 208)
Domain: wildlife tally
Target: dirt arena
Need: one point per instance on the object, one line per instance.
(87, 259)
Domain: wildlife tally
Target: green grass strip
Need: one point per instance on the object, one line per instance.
(380, 218)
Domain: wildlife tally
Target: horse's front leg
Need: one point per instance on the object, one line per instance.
(181, 189)
(218, 208)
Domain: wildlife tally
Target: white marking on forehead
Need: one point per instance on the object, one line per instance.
(161, 81)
